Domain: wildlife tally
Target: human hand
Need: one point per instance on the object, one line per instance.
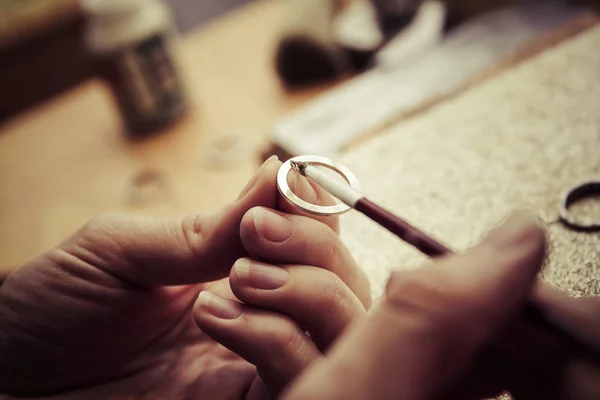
(108, 314)
(453, 330)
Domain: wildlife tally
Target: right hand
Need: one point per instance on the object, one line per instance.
(297, 278)
(453, 330)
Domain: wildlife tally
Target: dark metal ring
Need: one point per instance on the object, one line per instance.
(569, 197)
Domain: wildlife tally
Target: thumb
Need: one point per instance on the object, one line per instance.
(434, 321)
(156, 252)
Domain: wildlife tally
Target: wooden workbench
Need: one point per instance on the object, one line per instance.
(67, 160)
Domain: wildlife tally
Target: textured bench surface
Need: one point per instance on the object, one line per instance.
(456, 170)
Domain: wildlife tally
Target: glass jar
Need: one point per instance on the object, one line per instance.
(131, 43)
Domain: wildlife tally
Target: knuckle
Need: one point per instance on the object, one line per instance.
(194, 232)
(286, 340)
(284, 343)
(420, 295)
(333, 296)
(328, 244)
(333, 249)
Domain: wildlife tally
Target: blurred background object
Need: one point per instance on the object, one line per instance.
(394, 15)
(357, 33)
(425, 31)
(42, 52)
(425, 64)
(307, 52)
(326, 39)
(131, 44)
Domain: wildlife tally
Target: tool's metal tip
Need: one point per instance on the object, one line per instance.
(299, 167)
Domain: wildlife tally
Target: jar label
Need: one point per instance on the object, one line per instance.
(145, 83)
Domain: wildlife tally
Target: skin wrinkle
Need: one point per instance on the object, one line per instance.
(73, 264)
(85, 250)
(181, 322)
(282, 340)
(193, 231)
(141, 350)
(31, 335)
(102, 225)
(170, 367)
(85, 287)
(333, 248)
(294, 343)
(335, 301)
(240, 368)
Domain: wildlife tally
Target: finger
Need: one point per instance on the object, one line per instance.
(559, 368)
(316, 298)
(278, 348)
(515, 363)
(434, 321)
(534, 363)
(291, 239)
(580, 317)
(258, 390)
(154, 252)
(311, 192)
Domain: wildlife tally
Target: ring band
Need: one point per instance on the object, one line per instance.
(292, 198)
(569, 197)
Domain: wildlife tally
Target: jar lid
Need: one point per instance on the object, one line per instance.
(111, 7)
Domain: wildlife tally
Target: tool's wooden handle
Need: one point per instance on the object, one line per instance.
(402, 229)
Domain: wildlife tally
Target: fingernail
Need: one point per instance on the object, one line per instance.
(250, 184)
(517, 229)
(271, 226)
(260, 276)
(303, 188)
(219, 307)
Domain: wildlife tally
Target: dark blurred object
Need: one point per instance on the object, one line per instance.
(398, 87)
(307, 53)
(328, 38)
(394, 15)
(131, 43)
(301, 61)
(357, 32)
(41, 52)
(462, 10)
(426, 31)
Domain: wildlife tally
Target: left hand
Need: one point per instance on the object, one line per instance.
(108, 313)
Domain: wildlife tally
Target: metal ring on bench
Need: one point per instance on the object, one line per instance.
(569, 197)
